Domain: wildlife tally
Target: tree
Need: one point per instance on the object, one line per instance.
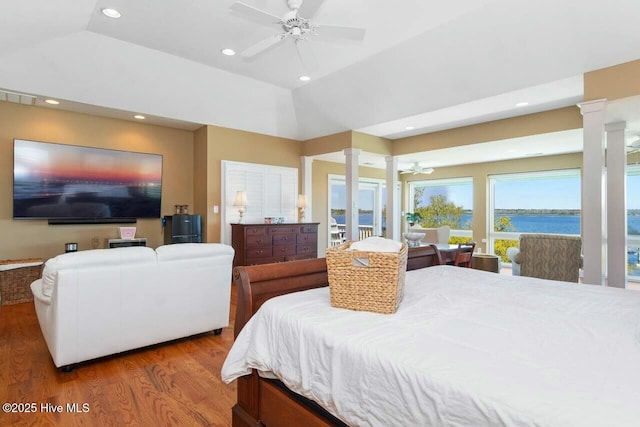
(500, 246)
(503, 223)
(440, 212)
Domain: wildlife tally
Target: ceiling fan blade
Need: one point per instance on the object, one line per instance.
(427, 170)
(403, 172)
(309, 8)
(341, 32)
(308, 59)
(263, 45)
(254, 14)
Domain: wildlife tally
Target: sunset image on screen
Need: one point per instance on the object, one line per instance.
(57, 180)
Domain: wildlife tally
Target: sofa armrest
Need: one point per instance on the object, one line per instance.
(36, 290)
(514, 255)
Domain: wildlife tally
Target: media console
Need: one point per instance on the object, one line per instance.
(123, 243)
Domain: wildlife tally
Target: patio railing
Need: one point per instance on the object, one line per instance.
(339, 232)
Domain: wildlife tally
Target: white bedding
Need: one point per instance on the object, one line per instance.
(465, 348)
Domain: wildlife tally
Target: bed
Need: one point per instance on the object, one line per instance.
(466, 347)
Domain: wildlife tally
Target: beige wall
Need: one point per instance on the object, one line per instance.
(241, 146)
(530, 124)
(327, 144)
(35, 238)
(201, 179)
(620, 81)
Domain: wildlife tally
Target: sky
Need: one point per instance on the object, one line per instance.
(549, 193)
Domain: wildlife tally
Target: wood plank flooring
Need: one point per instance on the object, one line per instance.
(172, 384)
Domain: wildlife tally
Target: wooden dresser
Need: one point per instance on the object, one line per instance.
(266, 243)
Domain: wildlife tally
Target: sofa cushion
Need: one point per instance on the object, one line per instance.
(95, 257)
(192, 250)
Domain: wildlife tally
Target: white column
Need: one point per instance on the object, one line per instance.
(593, 207)
(616, 205)
(352, 175)
(393, 201)
(306, 164)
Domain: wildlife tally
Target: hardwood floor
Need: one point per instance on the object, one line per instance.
(172, 384)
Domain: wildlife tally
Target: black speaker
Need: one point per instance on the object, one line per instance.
(182, 229)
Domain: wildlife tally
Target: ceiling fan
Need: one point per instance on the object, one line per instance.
(416, 169)
(295, 24)
(634, 145)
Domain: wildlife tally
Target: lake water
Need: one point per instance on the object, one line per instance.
(558, 224)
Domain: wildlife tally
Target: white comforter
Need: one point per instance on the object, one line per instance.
(465, 348)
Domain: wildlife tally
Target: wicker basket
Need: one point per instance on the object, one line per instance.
(377, 286)
(15, 282)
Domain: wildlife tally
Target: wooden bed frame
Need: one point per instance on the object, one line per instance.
(264, 402)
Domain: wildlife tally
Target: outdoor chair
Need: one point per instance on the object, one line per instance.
(547, 256)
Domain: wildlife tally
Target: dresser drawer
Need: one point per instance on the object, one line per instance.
(284, 250)
(306, 238)
(258, 240)
(309, 229)
(284, 239)
(253, 231)
(306, 249)
(258, 252)
(283, 230)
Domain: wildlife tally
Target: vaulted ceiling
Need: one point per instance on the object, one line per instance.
(422, 64)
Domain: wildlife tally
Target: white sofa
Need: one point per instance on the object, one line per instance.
(105, 301)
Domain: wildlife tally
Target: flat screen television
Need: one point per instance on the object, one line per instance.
(74, 184)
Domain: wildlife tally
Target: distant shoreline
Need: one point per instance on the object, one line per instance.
(500, 212)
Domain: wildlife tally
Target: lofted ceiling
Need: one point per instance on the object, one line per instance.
(422, 64)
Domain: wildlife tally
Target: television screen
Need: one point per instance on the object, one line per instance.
(67, 182)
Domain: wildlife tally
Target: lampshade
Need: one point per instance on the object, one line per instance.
(302, 201)
(241, 199)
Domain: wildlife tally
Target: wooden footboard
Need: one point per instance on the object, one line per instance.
(263, 402)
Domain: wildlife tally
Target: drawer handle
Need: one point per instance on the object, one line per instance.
(259, 241)
(283, 250)
(259, 252)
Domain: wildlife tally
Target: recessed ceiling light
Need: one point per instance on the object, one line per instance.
(522, 104)
(409, 128)
(139, 117)
(228, 52)
(304, 78)
(51, 101)
(111, 13)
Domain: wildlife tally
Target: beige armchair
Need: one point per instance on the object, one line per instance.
(547, 256)
(433, 235)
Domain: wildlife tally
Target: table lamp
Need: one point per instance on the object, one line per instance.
(240, 203)
(302, 204)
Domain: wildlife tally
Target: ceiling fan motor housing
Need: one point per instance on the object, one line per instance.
(294, 4)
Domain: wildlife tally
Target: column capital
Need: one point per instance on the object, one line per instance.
(390, 160)
(592, 106)
(610, 127)
(352, 151)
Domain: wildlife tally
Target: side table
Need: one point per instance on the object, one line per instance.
(486, 262)
(15, 279)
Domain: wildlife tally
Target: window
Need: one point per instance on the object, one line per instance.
(271, 191)
(444, 202)
(536, 202)
(633, 222)
(371, 208)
